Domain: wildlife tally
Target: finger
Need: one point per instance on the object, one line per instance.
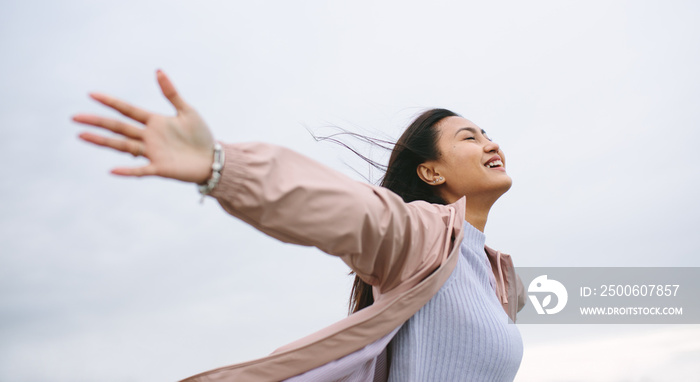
(135, 171)
(128, 110)
(169, 91)
(130, 146)
(113, 125)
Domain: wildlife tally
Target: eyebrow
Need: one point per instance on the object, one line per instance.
(473, 130)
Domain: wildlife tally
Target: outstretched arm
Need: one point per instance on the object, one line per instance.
(298, 200)
(285, 194)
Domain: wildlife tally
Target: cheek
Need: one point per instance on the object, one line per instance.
(466, 170)
(462, 163)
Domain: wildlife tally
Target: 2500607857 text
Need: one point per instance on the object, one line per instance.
(627, 290)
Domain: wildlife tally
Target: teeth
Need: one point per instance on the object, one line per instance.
(495, 163)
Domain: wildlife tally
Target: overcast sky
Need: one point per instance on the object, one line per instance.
(595, 103)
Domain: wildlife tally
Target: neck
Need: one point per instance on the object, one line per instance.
(477, 210)
(476, 217)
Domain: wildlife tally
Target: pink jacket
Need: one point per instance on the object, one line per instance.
(406, 251)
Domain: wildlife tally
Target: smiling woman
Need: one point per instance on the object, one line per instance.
(431, 302)
(419, 166)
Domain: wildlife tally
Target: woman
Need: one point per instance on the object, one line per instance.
(440, 305)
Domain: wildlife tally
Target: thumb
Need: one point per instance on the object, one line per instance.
(169, 91)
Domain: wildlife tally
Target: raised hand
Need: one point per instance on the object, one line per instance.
(178, 147)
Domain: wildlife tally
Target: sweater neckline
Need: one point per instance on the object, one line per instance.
(473, 238)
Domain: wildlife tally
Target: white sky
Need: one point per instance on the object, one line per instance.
(101, 278)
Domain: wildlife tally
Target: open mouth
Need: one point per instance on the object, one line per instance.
(494, 163)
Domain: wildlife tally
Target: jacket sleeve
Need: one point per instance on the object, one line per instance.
(298, 200)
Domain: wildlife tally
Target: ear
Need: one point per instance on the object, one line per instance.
(427, 172)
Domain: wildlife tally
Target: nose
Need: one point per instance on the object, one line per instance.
(491, 147)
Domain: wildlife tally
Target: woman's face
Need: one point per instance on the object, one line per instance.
(470, 163)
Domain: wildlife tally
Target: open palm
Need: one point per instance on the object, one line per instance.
(178, 147)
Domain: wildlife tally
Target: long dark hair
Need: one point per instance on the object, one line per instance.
(417, 144)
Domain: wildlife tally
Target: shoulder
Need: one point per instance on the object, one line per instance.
(428, 240)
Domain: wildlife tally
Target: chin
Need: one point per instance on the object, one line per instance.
(503, 186)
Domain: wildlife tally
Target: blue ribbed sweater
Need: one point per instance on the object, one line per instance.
(462, 333)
